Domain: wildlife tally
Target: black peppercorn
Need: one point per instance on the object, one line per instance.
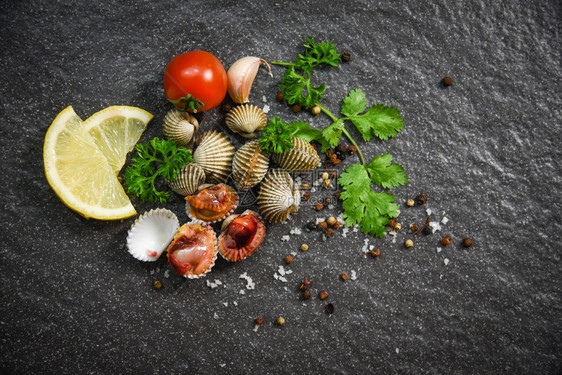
(427, 231)
(346, 56)
(306, 294)
(330, 308)
(311, 225)
(422, 199)
(279, 96)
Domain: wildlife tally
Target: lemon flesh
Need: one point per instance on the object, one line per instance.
(79, 171)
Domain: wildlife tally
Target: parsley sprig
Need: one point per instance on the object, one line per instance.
(156, 158)
(277, 135)
(362, 205)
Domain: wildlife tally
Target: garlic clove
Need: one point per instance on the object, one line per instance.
(241, 76)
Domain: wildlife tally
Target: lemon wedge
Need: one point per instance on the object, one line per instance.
(77, 164)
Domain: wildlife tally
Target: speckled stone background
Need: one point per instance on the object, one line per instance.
(486, 151)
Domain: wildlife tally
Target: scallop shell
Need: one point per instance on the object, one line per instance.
(180, 127)
(193, 250)
(151, 233)
(301, 158)
(246, 120)
(190, 177)
(249, 166)
(212, 204)
(243, 239)
(214, 154)
(278, 197)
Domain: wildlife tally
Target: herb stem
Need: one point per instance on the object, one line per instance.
(283, 63)
(344, 131)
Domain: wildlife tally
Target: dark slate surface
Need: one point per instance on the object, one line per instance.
(486, 151)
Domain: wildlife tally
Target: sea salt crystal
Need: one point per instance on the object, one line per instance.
(294, 253)
(446, 261)
(167, 274)
(428, 211)
(264, 99)
(397, 351)
(312, 189)
(344, 232)
(330, 207)
(266, 108)
(256, 327)
(225, 304)
(249, 283)
(438, 249)
(296, 231)
(353, 275)
(355, 228)
(435, 226)
(242, 291)
(445, 220)
(285, 238)
(371, 247)
(281, 271)
(235, 303)
(216, 316)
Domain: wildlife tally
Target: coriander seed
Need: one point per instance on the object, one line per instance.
(305, 186)
(344, 276)
(323, 225)
(259, 321)
(304, 247)
(315, 110)
(323, 295)
(331, 221)
(157, 284)
(397, 227)
(410, 203)
(288, 259)
(409, 243)
(318, 206)
(467, 242)
(446, 241)
(280, 320)
(325, 175)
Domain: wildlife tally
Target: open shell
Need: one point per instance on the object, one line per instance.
(180, 127)
(212, 204)
(278, 197)
(241, 235)
(151, 233)
(249, 166)
(193, 250)
(190, 177)
(214, 154)
(301, 158)
(246, 120)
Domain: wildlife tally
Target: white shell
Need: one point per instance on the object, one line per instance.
(190, 177)
(279, 196)
(151, 234)
(180, 127)
(301, 158)
(249, 166)
(214, 154)
(246, 120)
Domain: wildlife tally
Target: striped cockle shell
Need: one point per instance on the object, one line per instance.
(190, 177)
(301, 158)
(249, 166)
(180, 127)
(214, 154)
(246, 120)
(278, 197)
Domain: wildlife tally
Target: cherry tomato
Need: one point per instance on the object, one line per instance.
(195, 79)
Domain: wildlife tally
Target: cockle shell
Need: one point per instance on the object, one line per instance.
(241, 235)
(246, 120)
(190, 177)
(212, 204)
(180, 127)
(193, 250)
(214, 154)
(151, 233)
(249, 166)
(278, 197)
(301, 158)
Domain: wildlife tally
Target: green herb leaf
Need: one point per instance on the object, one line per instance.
(379, 120)
(277, 135)
(156, 158)
(316, 54)
(298, 89)
(372, 211)
(332, 134)
(386, 174)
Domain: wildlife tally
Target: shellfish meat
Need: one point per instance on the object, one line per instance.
(180, 127)
(246, 120)
(190, 177)
(151, 233)
(214, 154)
(241, 235)
(212, 204)
(249, 166)
(278, 197)
(301, 158)
(193, 250)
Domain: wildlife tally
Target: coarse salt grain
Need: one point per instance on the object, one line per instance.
(266, 109)
(428, 211)
(438, 249)
(215, 315)
(167, 274)
(353, 275)
(330, 207)
(264, 99)
(249, 283)
(242, 291)
(445, 220)
(225, 304)
(294, 253)
(446, 261)
(435, 226)
(285, 238)
(344, 232)
(296, 231)
(371, 247)
(256, 327)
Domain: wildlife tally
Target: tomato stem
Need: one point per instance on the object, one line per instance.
(187, 103)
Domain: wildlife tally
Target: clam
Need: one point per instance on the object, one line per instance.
(246, 120)
(241, 235)
(190, 177)
(151, 233)
(214, 154)
(212, 203)
(193, 250)
(278, 197)
(301, 158)
(249, 166)
(180, 127)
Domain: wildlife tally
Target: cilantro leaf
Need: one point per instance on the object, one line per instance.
(372, 211)
(379, 120)
(316, 54)
(298, 89)
(332, 134)
(156, 158)
(385, 174)
(277, 135)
